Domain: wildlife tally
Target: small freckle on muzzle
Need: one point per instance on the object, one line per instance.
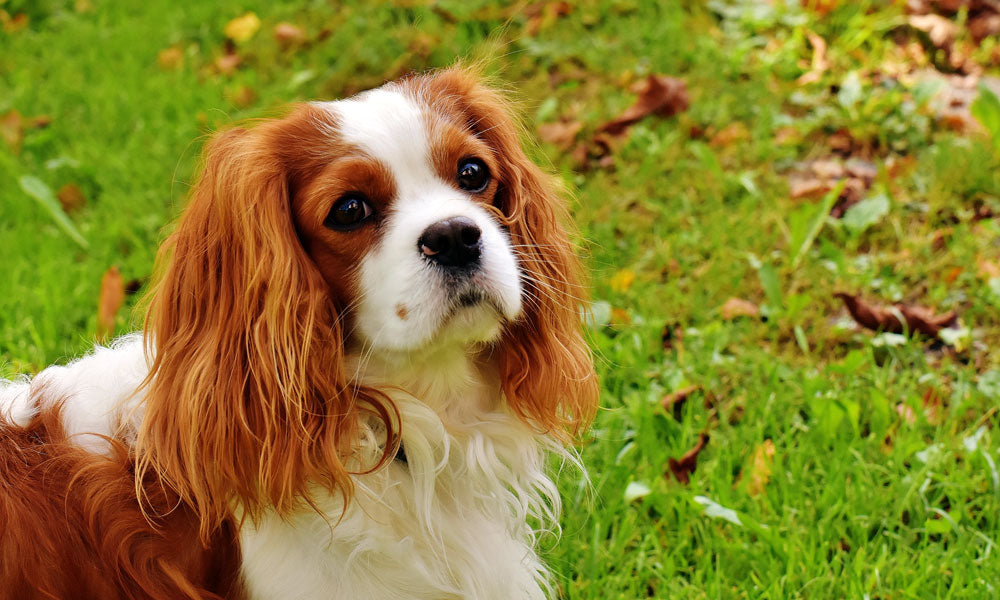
(401, 311)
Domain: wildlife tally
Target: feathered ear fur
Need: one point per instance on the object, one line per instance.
(546, 367)
(246, 400)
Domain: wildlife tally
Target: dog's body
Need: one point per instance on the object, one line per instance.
(350, 393)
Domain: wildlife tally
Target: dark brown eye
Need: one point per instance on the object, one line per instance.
(349, 212)
(473, 175)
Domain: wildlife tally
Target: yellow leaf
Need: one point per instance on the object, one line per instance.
(242, 28)
(622, 280)
(760, 468)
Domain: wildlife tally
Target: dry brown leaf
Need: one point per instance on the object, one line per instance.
(822, 7)
(819, 63)
(13, 24)
(940, 30)
(241, 96)
(804, 186)
(988, 269)
(906, 413)
(674, 401)
(738, 307)
(683, 468)
(288, 34)
(560, 133)
(111, 298)
(170, 59)
(71, 197)
(660, 95)
(914, 318)
(542, 15)
(227, 63)
(729, 135)
(933, 406)
(12, 129)
(760, 468)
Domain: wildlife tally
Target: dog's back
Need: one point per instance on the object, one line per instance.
(71, 526)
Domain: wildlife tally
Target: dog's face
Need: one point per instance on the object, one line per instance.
(402, 223)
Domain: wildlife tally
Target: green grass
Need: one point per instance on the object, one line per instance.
(868, 496)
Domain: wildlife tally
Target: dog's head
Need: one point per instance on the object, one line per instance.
(404, 221)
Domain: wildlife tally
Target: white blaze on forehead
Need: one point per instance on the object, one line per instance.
(391, 127)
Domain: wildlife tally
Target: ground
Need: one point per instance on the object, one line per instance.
(827, 147)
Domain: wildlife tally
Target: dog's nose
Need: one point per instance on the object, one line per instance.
(452, 242)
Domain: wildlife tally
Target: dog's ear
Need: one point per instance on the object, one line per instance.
(547, 369)
(246, 400)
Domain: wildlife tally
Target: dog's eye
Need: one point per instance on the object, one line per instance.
(349, 211)
(473, 175)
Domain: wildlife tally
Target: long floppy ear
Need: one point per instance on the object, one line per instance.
(546, 366)
(246, 400)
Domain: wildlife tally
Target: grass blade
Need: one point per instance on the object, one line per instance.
(37, 189)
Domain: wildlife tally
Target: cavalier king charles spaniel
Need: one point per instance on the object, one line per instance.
(361, 349)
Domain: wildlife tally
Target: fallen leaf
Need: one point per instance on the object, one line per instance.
(660, 95)
(288, 34)
(12, 129)
(906, 412)
(71, 197)
(933, 404)
(242, 28)
(674, 401)
(13, 24)
(622, 280)
(170, 59)
(940, 30)
(683, 468)
(988, 269)
(560, 133)
(738, 307)
(542, 15)
(111, 298)
(898, 318)
(227, 63)
(819, 63)
(242, 96)
(821, 7)
(729, 135)
(760, 468)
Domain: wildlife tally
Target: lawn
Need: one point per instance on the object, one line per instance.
(828, 147)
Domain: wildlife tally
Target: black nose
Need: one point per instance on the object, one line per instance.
(453, 242)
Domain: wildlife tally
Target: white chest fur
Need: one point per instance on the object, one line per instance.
(451, 522)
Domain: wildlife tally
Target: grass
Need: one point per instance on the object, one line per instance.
(883, 481)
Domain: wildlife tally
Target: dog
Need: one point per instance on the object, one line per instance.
(362, 346)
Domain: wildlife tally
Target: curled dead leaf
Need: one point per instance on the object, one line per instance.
(674, 401)
(898, 318)
(683, 468)
(738, 307)
(110, 300)
(560, 133)
(819, 64)
(659, 95)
